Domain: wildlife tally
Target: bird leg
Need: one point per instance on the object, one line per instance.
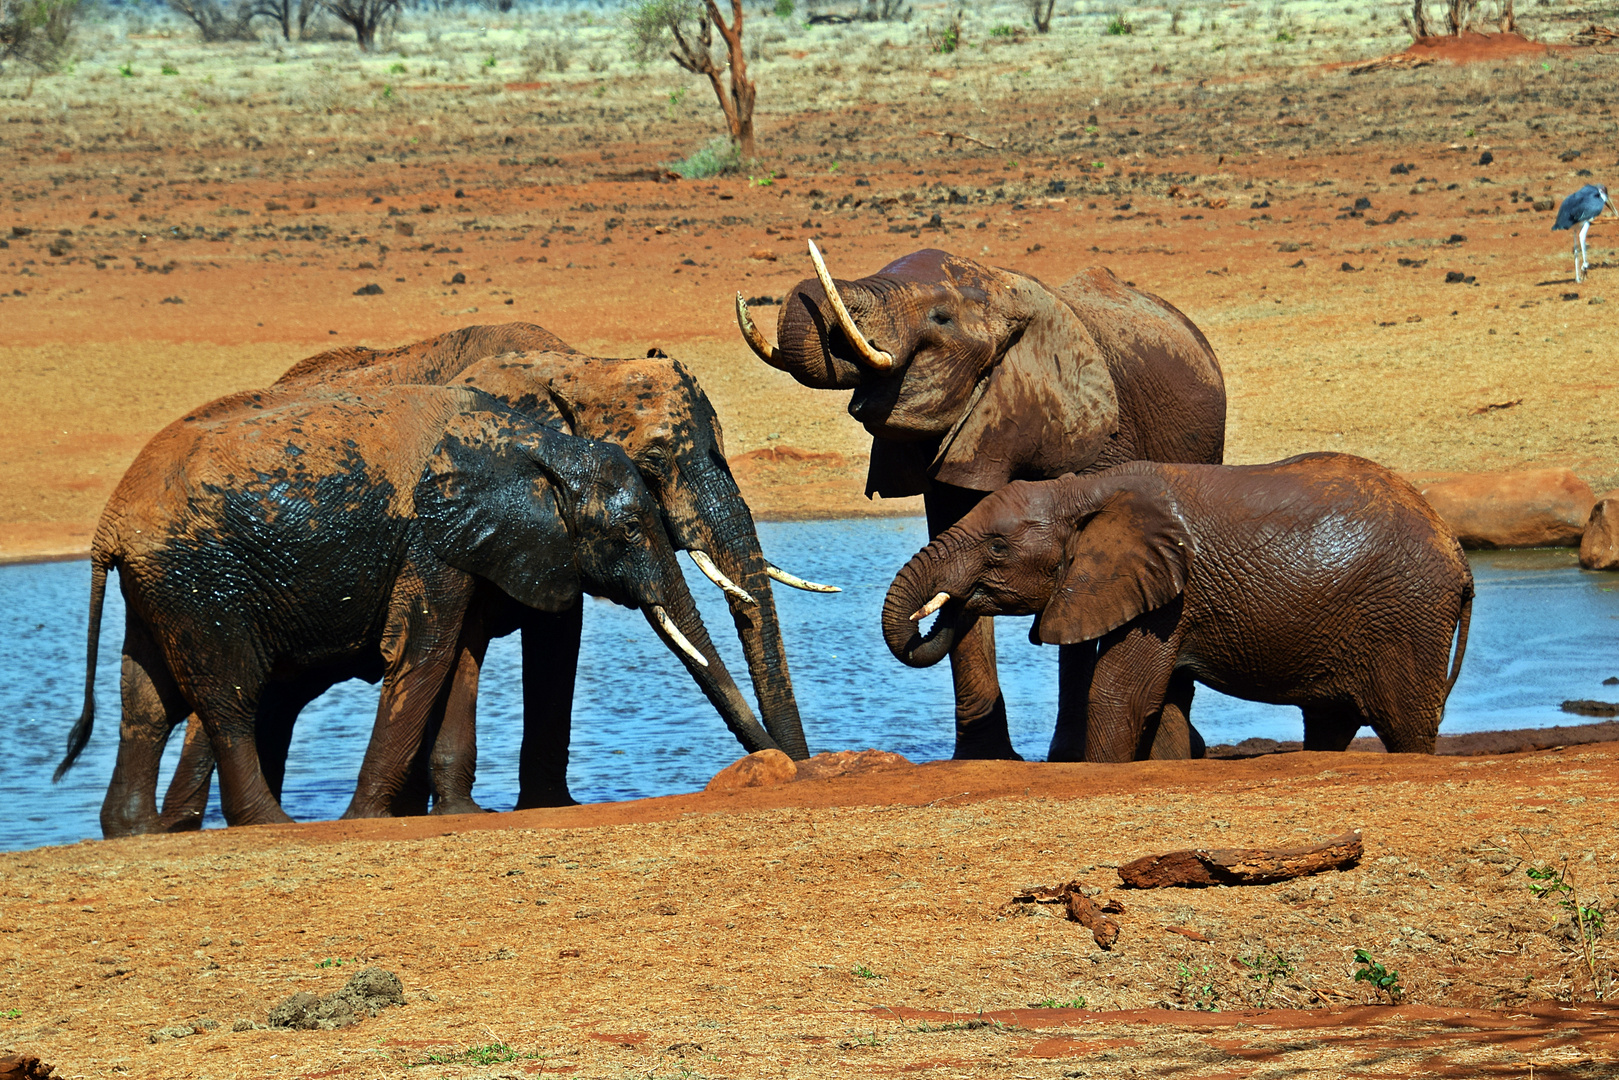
(1585, 262)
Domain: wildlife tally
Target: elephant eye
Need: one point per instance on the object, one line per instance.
(999, 547)
(632, 532)
(940, 318)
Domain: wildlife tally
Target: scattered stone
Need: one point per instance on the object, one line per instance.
(173, 1031)
(372, 289)
(367, 994)
(1533, 508)
(763, 255)
(1591, 708)
(458, 279)
(1611, 680)
(1348, 269)
(762, 768)
(848, 763)
(309, 204)
(171, 300)
(1188, 933)
(273, 205)
(1241, 866)
(247, 1025)
(1486, 158)
(1599, 543)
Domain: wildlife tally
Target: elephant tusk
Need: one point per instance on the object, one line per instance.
(717, 576)
(874, 357)
(756, 341)
(796, 582)
(676, 636)
(930, 607)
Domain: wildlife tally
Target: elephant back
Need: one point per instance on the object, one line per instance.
(433, 361)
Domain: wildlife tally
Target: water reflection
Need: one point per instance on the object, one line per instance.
(1543, 631)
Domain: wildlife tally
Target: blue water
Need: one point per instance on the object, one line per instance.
(1543, 631)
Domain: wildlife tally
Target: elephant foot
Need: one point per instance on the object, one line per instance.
(367, 808)
(985, 738)
(178, 821)
(457, 804)
(544, 797)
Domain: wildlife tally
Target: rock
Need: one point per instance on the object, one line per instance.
(173, 1031)
(367, 994)
(1534, 508)
(762, 768)
(24, 1067)
(762, 255)
(848, 763)
(1599, 545)
(372, 289)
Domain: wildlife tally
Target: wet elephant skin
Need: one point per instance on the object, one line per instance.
(1322, 581)
(996, 377)
(272, 543)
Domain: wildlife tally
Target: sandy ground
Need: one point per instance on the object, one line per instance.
(211, 227)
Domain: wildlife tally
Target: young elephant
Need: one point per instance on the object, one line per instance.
(1322, 581)
(272, 544)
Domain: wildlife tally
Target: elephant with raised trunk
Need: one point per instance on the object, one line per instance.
(274, 543)
(969, 376)
(1323, 581)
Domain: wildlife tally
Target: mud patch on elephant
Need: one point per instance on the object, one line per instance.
(365, 995)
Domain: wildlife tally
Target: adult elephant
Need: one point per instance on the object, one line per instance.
(659, 413)
(969, 376)
(1323, 581)
(274, 543)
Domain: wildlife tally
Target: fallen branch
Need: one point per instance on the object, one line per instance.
(1393, 62)
(1241, 866)
(1081, 909)
(1496, 407)
(950, 138)
(1595, 35)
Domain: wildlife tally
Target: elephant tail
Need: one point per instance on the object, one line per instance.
(1462, 622)
(79, 737)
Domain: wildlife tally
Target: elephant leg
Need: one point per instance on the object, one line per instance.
(228, 711)
(550, 666)
(420, 645)
(1134, 666)
(1331, 725)
(981, 730)
(187, 798)
(152, 706)
(454, 763)
(1076, 667)
(1173, 741)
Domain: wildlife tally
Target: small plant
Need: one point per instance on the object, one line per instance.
(1285, 37)
(170, 69)
(330, 962)
(784, 9)
(490, 61)
(387, 92)
(1118, 26)
(864, 972)
(1204, 997)
(716, 159)
(762, 181)
(948, 40)
(1384, 981)
(1264, 970)
(1053, 1003)
(1545, 881)
(127, 70)
(10, 1014)
(396, 69)
(489, 1054)
(1003, 31)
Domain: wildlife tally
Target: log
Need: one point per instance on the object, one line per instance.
(1241, 866)
(23, 1067)
(1081, 909)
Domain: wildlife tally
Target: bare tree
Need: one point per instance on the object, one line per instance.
(691, 23)
(1509, 19)
(363, 16)
(1458, 15)
(285, 13)
(214, 21)
(1040, 11)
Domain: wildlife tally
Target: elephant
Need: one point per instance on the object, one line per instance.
(275, 542)
(969, 376)
(1323, 581)
(657, 410)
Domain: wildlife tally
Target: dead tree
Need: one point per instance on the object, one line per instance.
(736, 99)
(363, 17)
(1040, 11)
(1458, 15)
(214, 21)
(285, 13)
(1509, 21)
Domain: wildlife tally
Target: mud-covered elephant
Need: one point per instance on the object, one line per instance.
(276, 542)
(970, 376)
(1323, 581)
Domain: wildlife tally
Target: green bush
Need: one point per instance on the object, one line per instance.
(718, 158)
(1117, 26)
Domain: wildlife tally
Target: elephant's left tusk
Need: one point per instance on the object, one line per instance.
(930, 607)
(676, 636)
(875, 358)
(717, 576)
(756, 341)
(796, 582)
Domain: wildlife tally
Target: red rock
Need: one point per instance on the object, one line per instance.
(1599, 546)
(848, 763)
(1534, 508)
(763, 768)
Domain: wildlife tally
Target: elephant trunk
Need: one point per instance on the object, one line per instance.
(813, 347)
(919, 586)
(711, 677)
(758, 626)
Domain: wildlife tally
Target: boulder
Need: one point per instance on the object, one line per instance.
(1599, 546)
(848, 763)
(762, 768)
(1533, 508)
(366, 994)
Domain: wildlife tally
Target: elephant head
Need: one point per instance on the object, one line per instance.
(542, 515)
(1084, 554)
(965, 374)
(659, 414)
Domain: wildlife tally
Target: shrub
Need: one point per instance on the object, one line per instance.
(718, 158)
(38, 32)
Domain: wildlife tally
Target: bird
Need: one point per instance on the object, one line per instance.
(1582, 208)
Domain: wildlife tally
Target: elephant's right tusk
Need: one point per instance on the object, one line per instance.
(874, 358)
(796, 582)
(676, 636)
(717, 576)
(756, 341)
(930, 607)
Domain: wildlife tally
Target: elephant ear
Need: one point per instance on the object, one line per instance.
(1047, 408)
(487, 504)
(1129, 554)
